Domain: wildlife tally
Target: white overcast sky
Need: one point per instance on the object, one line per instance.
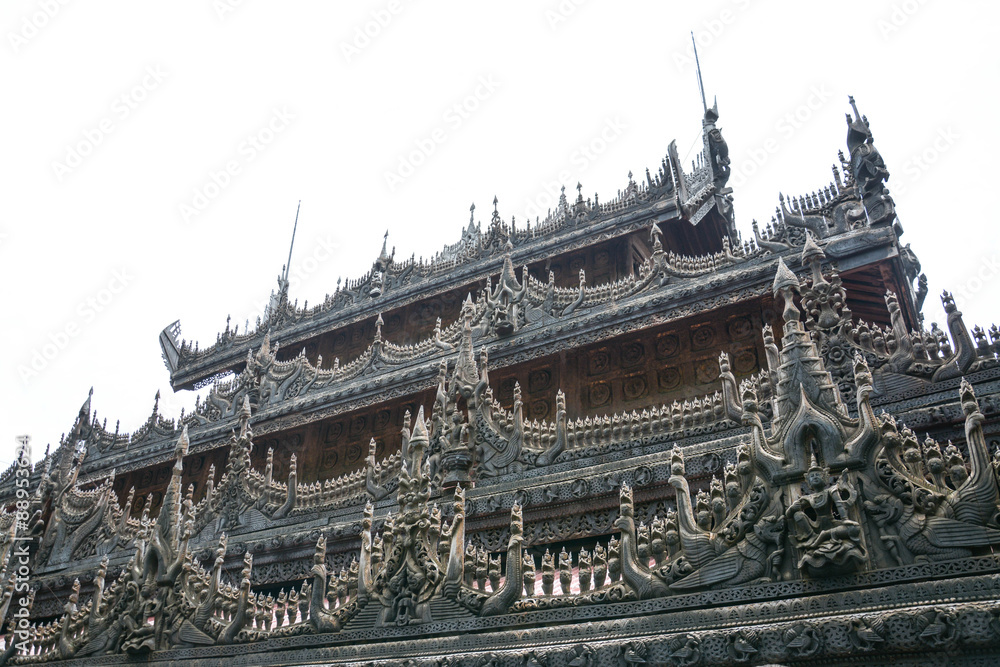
(118, 113)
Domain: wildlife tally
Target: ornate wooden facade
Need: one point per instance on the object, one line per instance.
(621, 435)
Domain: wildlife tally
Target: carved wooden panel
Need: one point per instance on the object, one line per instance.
(338, 445)
(153, 481)
(603, 263)
(676, 361)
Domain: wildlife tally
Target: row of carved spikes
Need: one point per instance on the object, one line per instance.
(678, 415)
(269, 612)
(807, 203)
(317, 493)
(771, 230)
(588, 431)
(589, 570)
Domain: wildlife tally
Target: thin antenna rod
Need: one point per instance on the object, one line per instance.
(292, 245)
(701, 86)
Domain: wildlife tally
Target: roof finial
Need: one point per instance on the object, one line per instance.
(383, 255)
(701, 86)
(292, 244)
(857, 116)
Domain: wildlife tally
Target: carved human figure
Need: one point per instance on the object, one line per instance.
(600, 566)
(718, 148)
(528, 575)
(548, 573)
(614, 560)
(828, 540)
(565, 572)
(493, 574)
(586, 571)
(470, 564)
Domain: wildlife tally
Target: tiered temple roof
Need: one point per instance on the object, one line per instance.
(619, 435)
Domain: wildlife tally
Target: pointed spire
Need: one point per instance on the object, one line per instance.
(416, 446)
(383, 255)
(654, 235)
(785, 286)
(419, 426)
(811, 250)
(850, 99)
(784, 278)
